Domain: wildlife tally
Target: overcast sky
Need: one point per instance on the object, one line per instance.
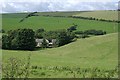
(12, 6)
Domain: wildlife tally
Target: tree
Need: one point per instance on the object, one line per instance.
(24, 40)
(50, 34)
(72, 28)
(20, 39)
(44, 43)
(39, 30)
(39, 33)
(5, 42)
(61, 37)
(65, 37)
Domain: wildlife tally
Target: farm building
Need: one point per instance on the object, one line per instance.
(50, 43)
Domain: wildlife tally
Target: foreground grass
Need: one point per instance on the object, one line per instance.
(96, 52)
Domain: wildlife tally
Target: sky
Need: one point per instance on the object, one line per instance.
(14, 6)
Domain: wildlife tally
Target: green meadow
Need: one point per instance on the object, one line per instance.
(107, 15)
(95, 52)
(11, 21)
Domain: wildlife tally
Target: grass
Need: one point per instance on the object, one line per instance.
(96, 52)
(11, 21)
(90, 52)
(107, 15)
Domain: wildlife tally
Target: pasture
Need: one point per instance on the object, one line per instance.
(82, 58)
(107, 15)
(11, 21)
(95, 52)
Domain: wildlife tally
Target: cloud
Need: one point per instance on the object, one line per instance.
(75, 1)
(57, 5)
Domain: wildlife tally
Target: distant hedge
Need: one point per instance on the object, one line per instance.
(91, 18)
(88, 18)
(87, 33)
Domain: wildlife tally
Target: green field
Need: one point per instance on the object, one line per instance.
(95, 52)
(100, 52)
(107, 15)
(11, 21)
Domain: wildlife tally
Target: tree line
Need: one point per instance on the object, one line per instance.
(88, 33)
(81, 17)
(24, 39)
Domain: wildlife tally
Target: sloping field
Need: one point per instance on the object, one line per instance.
(107, 15)
(65, 13)
(11, 21)
(100, 51)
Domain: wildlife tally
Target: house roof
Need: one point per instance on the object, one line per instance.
(39, 40)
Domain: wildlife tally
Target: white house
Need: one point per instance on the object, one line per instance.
(50, 43)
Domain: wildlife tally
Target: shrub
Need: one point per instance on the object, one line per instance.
(79, 32)
(94, 32)
(72, 28)
(16, 68)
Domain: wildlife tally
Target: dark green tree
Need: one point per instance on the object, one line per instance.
(6, 42)
(65, 37)
(20, 39)
(24, 40)
(44, 43)
(72, 28)
(39, 33)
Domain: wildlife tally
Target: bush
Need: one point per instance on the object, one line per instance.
(72, 28)
(94, 32)
(79, 32)
(87, 33)
(16, 68)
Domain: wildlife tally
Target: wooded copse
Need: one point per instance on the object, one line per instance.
(25, 39)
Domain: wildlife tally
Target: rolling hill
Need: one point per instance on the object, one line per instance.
(107, 15)
(94, 52)
(100, 51)
(11, 21)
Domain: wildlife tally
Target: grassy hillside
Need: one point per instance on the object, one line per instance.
(107, 15)
(98, 51)
(65, 13)
(11, 21)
